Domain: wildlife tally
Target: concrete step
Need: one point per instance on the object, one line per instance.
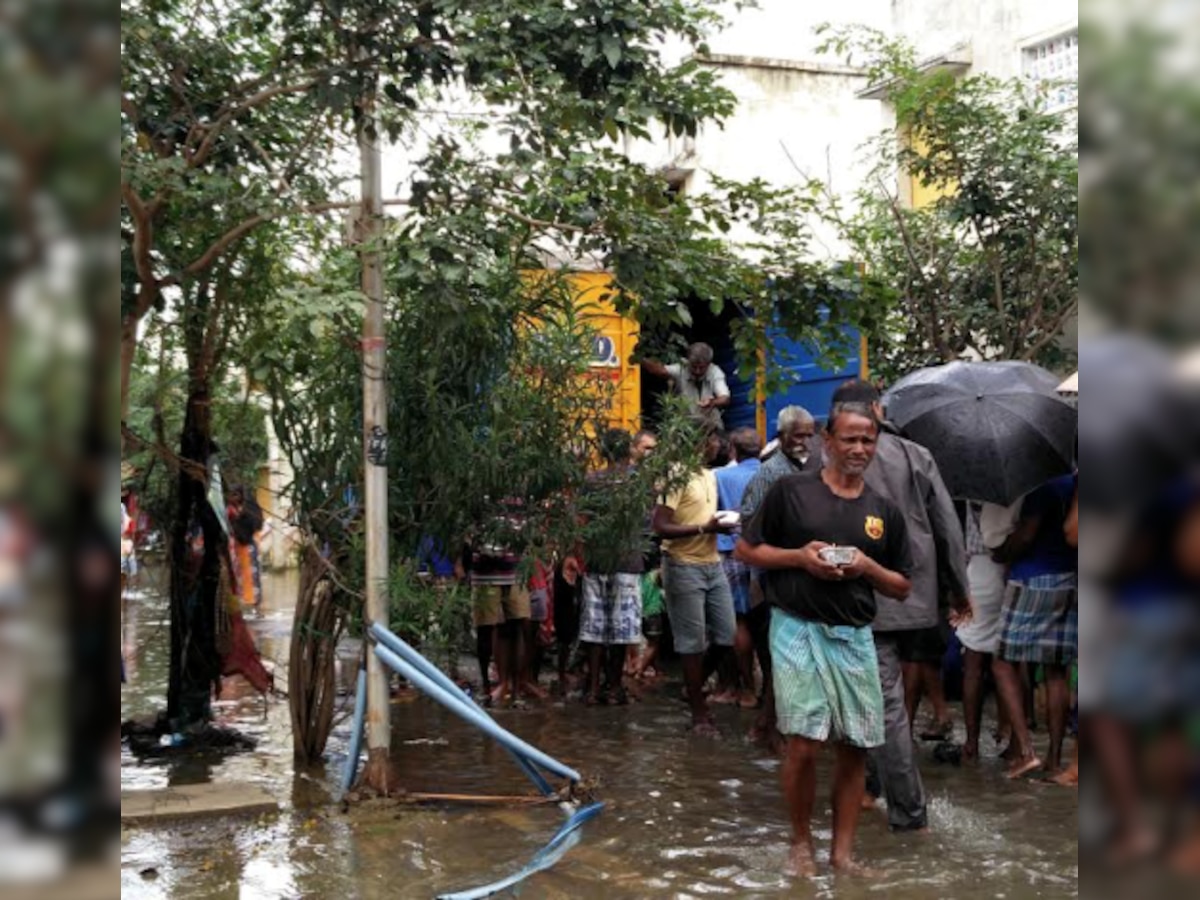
(193, 800)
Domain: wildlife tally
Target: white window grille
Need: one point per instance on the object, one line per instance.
(1051, 66)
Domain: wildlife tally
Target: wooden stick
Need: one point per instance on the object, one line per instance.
(487, 799)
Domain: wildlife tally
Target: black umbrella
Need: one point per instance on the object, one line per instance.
(996, 429)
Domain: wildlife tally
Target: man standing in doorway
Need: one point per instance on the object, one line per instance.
(829, 543)
(699, 381)
(906, 474)
(696, 593)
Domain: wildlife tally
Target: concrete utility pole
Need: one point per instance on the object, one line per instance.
(370, 233)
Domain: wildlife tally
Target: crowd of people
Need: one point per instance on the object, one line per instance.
(820, 581)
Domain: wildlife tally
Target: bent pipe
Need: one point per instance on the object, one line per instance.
(356, 729)
(406, 652)
(565, 838)
(475, 716)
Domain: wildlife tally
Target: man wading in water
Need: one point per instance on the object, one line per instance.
(823, 656)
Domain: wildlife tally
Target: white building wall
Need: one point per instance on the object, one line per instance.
(794, 122)
(994, 30)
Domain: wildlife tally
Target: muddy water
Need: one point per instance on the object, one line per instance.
(685, 817)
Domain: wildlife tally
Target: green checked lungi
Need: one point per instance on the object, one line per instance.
(826, 681)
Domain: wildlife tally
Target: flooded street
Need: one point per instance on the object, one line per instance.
(684, 817)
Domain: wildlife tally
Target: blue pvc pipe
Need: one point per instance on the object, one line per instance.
(406, 652)
(458, 705)
(564, 839)
(356, 730)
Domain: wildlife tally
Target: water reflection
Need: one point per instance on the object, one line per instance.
(685, 817)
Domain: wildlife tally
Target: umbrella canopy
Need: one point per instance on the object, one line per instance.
(996, 429)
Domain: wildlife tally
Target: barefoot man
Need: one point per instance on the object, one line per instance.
(825, 671)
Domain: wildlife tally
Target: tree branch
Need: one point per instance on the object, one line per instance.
(214, 130)
(143, 226)
(1052, 331)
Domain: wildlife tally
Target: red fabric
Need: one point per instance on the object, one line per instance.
(243, 659)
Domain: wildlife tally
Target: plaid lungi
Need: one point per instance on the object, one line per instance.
(826, 681)
(737, 573)
(1041, 620)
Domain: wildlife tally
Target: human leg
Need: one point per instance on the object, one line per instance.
(595, 653)
(484, 642)
(616, 655)
(799, 775)
(693, 681)
(895, 762)
(910, 675)
(1058, 703)
(1010, 694)
(744, 651)
(973, 663)
(685, 597)
(849, 772)
(931, 680)
(760, 629)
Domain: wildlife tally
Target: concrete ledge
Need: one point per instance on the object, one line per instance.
(741, 61)
(194, 800)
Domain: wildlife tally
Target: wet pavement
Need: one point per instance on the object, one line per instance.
(685, 817)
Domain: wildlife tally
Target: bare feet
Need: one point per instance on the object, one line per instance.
(705, 728)
(1022, 767)
(850, 867)
(939, 731)
(1068, 777)
(533, 691)
(724, 698)
(501, 695)
(803, 860)
(970, 752)
(747, 700)
(868, 803)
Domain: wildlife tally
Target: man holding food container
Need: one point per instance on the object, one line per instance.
(829, 543)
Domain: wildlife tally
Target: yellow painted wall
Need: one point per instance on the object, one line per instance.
(613, 345)
(921, 196)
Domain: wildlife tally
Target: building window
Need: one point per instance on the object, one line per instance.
(1051, 66)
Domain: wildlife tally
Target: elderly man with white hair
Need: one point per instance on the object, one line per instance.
(698, 380)
(796, 453)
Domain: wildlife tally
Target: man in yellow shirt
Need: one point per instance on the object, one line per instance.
(695, 591)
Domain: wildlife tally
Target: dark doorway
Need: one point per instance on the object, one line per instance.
(714, 330)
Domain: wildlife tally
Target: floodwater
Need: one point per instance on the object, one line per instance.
(685, 817)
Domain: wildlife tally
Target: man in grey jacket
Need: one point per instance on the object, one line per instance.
(906, 474)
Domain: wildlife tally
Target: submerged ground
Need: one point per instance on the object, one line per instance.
(685, 817)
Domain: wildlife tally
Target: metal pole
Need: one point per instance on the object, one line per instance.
(374, 437)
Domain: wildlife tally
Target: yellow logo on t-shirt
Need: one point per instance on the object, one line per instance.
(874, 527)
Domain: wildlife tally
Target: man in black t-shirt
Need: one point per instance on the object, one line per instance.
(828, 542)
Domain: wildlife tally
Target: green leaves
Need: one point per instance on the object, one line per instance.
(610, 46)
(989, 266)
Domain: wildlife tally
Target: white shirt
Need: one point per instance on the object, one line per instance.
(711, 386)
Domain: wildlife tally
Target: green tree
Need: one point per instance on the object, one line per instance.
(230, 119)
(990, 268)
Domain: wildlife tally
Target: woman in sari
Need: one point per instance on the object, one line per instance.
(245, 521)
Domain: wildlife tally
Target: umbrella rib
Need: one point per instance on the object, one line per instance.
(928, 405)
(1051, 440)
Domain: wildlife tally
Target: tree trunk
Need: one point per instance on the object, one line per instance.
(195, 577)
(128, 351)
